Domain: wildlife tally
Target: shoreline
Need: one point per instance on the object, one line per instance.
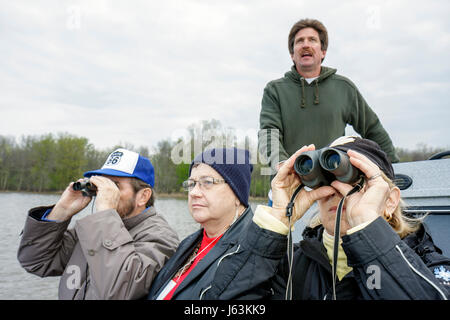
(174, 195)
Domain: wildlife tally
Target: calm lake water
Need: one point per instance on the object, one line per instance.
(16, 283)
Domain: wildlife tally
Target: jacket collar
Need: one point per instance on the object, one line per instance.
(230, 238)
(130, 223)
(422, 243)
(313, 247)
(235, 231)
(325, 72)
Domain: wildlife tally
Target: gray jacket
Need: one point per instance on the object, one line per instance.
(102, 257)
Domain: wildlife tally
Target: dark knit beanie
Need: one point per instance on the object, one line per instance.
(233, 165)
(368, 148)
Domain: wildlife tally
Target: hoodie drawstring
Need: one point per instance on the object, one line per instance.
(303, 105)
(316, 93)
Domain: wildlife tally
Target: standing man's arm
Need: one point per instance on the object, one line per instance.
(366, 123)
(270, 135)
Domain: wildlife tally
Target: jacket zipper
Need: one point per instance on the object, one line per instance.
(420, 274)
(228, 254)
(203, 292)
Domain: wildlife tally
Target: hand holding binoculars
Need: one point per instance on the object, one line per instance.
(321, 167)
(86, 187)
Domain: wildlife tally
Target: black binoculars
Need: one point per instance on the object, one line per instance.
(321, 167)
(86, 187)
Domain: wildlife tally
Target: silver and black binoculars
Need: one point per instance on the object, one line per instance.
(86, 187)
(321, 167)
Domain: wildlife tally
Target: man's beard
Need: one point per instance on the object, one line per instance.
(126, 209)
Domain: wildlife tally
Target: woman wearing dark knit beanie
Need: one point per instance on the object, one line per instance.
(218, 191)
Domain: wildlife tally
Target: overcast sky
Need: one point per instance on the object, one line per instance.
(138, 71)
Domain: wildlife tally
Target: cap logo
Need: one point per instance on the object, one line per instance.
(114, 158)
(122, 160)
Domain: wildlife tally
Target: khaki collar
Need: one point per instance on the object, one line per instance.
(130, 223)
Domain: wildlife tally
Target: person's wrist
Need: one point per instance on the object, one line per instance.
(280, 213)
(368, 216)
(59, 213)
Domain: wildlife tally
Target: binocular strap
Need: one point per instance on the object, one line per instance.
(337, 231)
(290, 245)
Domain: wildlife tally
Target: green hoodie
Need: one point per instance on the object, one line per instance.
(315, 113)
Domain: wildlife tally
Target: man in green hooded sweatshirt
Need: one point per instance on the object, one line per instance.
(313, 104)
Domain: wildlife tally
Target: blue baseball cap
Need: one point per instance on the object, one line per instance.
(126, 163)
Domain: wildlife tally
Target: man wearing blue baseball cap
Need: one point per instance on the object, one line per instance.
(114, 253)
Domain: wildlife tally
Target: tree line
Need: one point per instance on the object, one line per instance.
(47, 163)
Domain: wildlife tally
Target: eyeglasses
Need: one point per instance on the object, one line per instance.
(205, 183)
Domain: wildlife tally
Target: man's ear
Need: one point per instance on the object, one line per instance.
(324, 53)
(143, 196)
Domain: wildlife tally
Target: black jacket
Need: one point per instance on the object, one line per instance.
(384, 267)
(208, 280)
